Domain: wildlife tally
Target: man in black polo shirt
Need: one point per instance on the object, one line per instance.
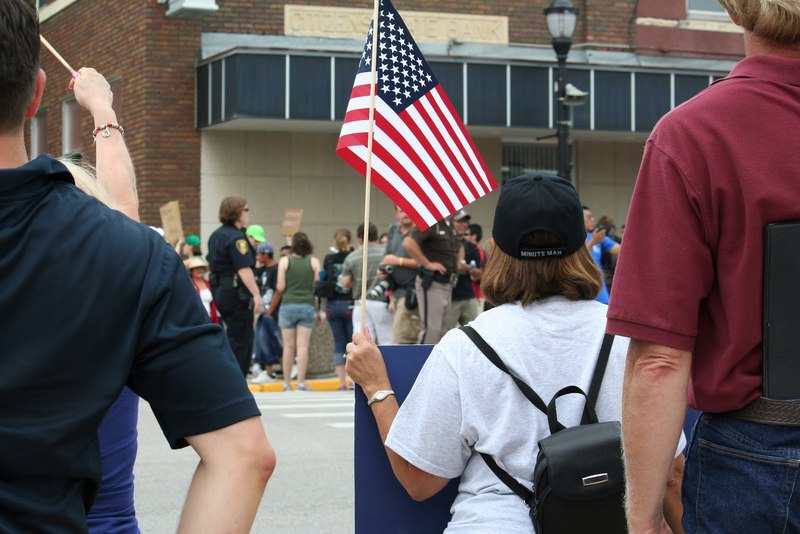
(120, 311)
(438, 252)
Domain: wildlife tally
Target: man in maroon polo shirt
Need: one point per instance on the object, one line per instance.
(689, 293)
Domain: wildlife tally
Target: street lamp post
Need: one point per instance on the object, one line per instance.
(561, 18)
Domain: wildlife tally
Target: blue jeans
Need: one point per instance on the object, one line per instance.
(294, 315)
(268, 345)
(340, 318)
(741, 477)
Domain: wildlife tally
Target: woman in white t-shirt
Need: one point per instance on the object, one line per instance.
(546, 327)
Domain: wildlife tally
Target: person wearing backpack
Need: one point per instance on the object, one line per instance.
(547, 329)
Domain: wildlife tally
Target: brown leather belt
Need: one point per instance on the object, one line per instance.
(770, 412)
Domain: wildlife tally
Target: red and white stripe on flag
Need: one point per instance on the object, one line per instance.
(422, 156)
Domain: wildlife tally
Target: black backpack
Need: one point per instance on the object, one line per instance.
(578, 481)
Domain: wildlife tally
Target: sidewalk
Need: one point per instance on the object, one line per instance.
(317, 384)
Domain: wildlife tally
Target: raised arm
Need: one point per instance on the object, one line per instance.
(113, 162)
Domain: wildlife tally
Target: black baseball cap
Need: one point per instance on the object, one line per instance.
(538, 201)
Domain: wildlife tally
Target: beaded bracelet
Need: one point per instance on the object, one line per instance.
(106, 129)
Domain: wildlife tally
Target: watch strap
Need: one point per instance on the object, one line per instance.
(379, 396)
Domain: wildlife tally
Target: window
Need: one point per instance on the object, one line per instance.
(70, 126)
(521, 158)
(39, 134)
(708, 6)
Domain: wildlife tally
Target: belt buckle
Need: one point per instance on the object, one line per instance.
(453, 279)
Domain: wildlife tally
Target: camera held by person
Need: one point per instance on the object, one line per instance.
(609, 229)
(378, 292)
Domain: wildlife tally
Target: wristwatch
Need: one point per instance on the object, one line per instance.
(379, 396)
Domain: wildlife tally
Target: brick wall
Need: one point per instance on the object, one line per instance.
(608, 24)
(153, 59)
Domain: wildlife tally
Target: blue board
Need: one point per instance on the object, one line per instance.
(381, 503)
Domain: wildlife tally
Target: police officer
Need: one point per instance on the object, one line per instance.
(438, 252)
(231, 260)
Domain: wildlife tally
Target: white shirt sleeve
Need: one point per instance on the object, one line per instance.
(427, 429)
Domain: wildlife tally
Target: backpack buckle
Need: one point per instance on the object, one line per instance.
(594, 480)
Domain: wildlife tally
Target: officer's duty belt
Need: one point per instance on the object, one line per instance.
(443, 278)
(223, 280)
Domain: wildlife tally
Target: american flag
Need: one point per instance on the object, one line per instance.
(422, 156)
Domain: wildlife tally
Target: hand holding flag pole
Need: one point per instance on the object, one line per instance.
(58, 56)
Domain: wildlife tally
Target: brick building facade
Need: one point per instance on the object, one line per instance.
(222, 97)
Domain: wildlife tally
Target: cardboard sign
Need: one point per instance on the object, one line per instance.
(292, 217)
(171, 222)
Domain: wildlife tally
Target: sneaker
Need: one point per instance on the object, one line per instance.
(263, 378)
(255, 369)
(342, 388)
(302, 387)
(287, 387)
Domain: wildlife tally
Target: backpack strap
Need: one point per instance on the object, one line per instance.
(524, 493)
(490, 353)
(597, 376)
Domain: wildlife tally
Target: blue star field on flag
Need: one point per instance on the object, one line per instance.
(403, 74)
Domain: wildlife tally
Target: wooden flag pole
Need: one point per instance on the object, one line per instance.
(57, 55)
(368, 181)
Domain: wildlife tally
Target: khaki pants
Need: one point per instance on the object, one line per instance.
(463, 311)
(434, 309)
(407, 324)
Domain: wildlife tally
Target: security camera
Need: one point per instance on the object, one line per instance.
(574, 96)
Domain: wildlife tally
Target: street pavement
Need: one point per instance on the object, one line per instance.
(311, 490)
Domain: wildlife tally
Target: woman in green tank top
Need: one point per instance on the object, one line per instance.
(297, 273)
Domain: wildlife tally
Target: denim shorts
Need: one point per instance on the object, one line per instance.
(742, 477)
(294, 315)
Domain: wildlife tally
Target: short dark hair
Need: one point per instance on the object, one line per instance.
(476, 230)
(373, 232)
(19, 61)
(230, 209)
(301, 244)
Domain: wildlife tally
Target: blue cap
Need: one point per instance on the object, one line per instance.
(264, 248)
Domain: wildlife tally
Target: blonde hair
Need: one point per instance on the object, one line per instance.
(342, 240)
(86, 180)
(507, 279)
(776, 21)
